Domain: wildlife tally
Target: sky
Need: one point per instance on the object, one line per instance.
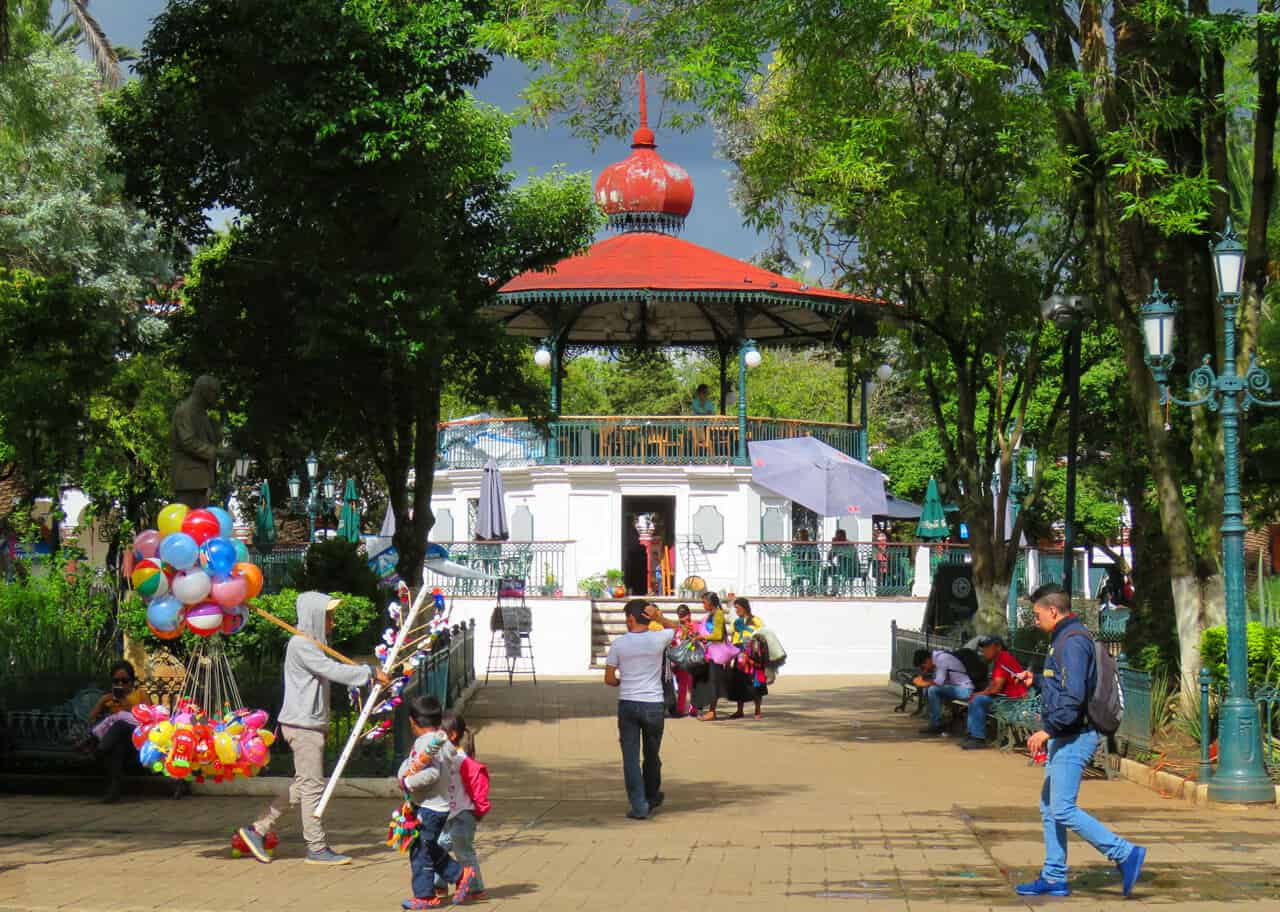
(714, 222)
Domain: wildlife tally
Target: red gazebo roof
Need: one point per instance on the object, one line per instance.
(646, 286)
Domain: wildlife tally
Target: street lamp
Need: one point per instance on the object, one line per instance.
(242, 465)
(1067, 313)
(748, 358)
(1019, 486)
(320, 495)
(548, 357)
(1241, 776)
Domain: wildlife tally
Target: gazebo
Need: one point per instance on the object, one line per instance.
(646, 287)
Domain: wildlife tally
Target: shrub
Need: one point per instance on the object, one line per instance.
(1263, 648)
(336, 565)
(57, 634)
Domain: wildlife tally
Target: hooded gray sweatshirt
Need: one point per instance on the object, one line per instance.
(308, 671)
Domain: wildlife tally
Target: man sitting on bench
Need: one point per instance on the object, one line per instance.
(1004, 686)
(942, 677)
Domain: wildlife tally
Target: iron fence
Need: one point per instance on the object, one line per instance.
(277, 565)
(834, 569)
(623, 440)
(1136, 725)
(540, 564)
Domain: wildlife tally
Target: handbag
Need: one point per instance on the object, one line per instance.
(722, 653)
(688, 656)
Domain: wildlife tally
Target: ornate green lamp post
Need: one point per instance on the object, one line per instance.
(1241, 776)
(548, 357)
(748, 359)
(1019, 486)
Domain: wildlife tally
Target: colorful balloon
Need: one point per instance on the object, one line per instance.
(170, 519)
(225, 747)
(146, 542)
(233, 619)
(191, 586)
(200, 525)
(252, 577)
(225, 523)
(218, 556)
(149, 578)
(164, 634)
(205, 619)
(230, 591)
(180, 550)
(242, 551)
(164, 614)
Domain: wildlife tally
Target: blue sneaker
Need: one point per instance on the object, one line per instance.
(1131, 867)
(255, 843)
(1042, 887)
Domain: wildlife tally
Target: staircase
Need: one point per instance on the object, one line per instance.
(608, 622)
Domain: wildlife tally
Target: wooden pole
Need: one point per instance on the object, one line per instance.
(296, 632)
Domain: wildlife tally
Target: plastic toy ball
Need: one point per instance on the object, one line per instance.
(149, 578)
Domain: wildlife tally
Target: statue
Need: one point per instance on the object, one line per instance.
(195, 444)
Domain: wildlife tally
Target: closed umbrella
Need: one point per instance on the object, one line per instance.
(933, 520)
(264, 523)
(491, 521)
(820, 477)
(349, 528)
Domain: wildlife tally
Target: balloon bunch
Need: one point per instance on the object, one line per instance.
(394, 692)
(188, 743)
(239, 849)
(193, 574)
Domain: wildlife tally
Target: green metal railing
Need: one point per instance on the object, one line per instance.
(623, 440)
(277, 565)
(1136, 726)
(845, 569)
(539, 563)
(1051, 572)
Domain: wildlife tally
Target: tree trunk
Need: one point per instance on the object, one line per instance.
(993, 607)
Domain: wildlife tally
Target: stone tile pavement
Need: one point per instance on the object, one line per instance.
(832, 801)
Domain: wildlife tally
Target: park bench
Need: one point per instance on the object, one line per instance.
(47, 739)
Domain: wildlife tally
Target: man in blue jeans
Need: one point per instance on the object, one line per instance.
(634, 666)
(1070, 673)
(942, 677)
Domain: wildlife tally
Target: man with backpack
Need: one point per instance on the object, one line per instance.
(1081, 704)
(943, 676)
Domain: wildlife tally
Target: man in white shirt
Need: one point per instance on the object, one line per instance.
(634, 666)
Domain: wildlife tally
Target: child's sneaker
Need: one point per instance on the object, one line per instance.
(463, 889)
(429, 902)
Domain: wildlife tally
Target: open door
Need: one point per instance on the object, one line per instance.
(637, 573)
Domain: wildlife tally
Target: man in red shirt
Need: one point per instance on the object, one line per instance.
(1004, 686)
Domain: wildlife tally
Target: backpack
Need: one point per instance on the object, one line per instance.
(1105, 709)
(974, 665)
(475, 782)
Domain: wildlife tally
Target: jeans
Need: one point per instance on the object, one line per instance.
(116, 747)
(979, 706)
(305, 788)
(429, 861)
(943, 692)
(641, 723)
(459, 837)
(1068, 757)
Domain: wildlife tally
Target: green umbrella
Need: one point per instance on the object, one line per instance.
(264, 524)
(350, 525)
(933, 521)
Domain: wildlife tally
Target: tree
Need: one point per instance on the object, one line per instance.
(376, 222)
(21, 20)
(1120, 109)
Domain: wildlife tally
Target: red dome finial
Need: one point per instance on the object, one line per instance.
(643, 137)
(644, 192)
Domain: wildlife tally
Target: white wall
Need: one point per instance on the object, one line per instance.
(822, 636)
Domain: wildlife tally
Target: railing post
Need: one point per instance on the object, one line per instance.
(893, 647)
(1206, 767)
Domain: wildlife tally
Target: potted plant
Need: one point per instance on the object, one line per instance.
(614, 579)
(593, 586)
(549, 587)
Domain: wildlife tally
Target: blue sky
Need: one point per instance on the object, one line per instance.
(714, 222)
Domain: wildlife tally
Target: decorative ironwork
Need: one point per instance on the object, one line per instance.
(621, 440)
(540, 564)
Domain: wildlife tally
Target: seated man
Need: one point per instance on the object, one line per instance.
(1004, 685)
(942, 677)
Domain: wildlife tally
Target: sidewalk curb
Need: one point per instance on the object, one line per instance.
(1169, 785)
(348, 787)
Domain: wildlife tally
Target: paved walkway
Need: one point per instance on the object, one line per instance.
(832, 801)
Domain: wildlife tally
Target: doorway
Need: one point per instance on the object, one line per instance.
(634, 562)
